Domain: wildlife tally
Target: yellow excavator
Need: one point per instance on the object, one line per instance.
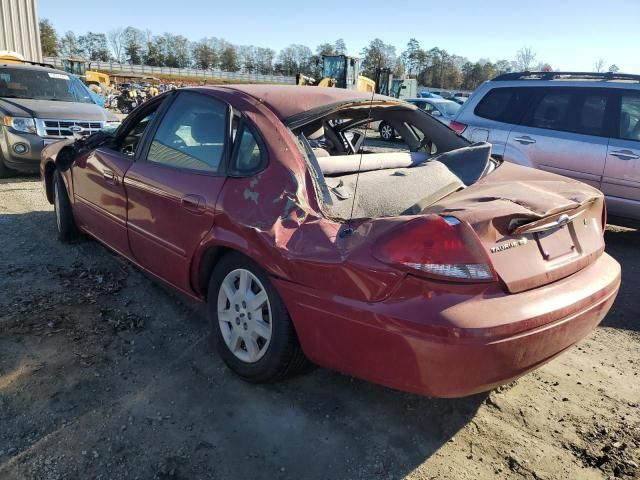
(339, 71)
(93, 79)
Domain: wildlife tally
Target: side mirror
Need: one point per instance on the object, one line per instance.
(436, 113)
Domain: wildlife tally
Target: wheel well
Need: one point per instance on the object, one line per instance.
(209, 259)
(49, 168)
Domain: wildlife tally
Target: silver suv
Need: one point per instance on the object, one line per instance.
(581, 125)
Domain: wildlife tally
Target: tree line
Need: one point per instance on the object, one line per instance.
(433, 67)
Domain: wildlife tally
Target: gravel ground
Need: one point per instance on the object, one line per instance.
(104, 374)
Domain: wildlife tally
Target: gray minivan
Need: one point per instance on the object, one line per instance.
(581, 125)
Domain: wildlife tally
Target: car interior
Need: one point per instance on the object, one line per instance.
(431, 163)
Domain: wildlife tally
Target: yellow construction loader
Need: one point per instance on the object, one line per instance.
(339, 71)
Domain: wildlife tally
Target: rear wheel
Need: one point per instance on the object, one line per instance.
(386, 132)
(67, 230)
(253, 331)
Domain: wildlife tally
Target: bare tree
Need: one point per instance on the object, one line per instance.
(116, 42)
(525, 58)
(599, 65)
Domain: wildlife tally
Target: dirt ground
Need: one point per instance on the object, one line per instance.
(104, 374)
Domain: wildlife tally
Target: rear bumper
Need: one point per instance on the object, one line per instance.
(430, 342)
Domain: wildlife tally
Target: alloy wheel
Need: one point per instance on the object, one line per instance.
(244, 315)
(386, 132)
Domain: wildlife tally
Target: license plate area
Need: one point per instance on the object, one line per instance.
(555, 243)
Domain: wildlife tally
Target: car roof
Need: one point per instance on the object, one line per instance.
(26, 66)
(429, 100)
(289, 100)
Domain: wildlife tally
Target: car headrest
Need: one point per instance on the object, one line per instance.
(208, 128)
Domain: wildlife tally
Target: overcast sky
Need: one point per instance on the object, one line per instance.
(568, 34)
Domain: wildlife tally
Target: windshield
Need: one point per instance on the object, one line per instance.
(333, 67)
(449, 108)
(42, 85)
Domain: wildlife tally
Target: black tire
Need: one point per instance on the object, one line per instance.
(283, 355)
(67, 230)
(5, 171)
(386, 131)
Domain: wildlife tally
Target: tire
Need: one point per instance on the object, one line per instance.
(5, 171)
(386, 132)
(273, 351)
(67, 230)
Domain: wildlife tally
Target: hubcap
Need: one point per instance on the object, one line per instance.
(386, 132)
(244, 315)
(56, 204)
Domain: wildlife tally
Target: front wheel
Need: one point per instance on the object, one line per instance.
(253, 331)
(4, 170)
(67, 230)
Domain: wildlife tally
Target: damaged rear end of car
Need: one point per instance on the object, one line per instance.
(498, 268)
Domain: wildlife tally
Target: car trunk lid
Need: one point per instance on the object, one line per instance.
(535, 226)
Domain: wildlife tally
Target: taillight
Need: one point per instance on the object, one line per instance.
(457, 127)
(435, 247)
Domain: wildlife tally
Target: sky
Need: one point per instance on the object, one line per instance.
(568, 34)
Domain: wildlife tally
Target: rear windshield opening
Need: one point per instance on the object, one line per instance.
(426, 162)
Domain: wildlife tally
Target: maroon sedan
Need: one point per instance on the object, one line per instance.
(433, 268)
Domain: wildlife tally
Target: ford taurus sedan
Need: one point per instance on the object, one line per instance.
(434, 269)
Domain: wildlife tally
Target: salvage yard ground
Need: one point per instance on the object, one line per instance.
(105, 374)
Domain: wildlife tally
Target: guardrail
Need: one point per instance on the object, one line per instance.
(116, 67)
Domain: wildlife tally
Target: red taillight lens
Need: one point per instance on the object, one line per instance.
(434, 247)
(457, 127)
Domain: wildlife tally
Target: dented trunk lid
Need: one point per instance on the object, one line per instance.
(536, 227)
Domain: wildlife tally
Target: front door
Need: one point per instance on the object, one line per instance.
(621, 181)
(99, 193)
(565, 132)
(172, 191)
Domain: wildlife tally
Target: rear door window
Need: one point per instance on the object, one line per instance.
(577, 110)
(504, 104)
(551, 111)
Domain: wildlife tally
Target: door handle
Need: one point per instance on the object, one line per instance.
(625, 155)
(525, 140)
(110, 177)
(193, 203)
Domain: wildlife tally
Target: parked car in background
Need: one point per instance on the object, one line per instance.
(38, 106)
(442, 274)
(582, 125)
(442, 110)
(428, 94)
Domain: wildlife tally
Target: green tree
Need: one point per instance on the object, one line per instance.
(378, 55)
(340, 47)
(48, 39)
(229, 59)
(133, 45)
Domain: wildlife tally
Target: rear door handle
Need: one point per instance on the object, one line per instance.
(193, 203)
(525, 140)
(110, 177)
(625, 155)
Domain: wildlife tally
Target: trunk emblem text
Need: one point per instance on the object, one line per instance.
(508, 245)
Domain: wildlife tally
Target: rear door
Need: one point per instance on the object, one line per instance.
(621, 180)
(99, 193)
(173, 189)
(564, 132)
(494, 116)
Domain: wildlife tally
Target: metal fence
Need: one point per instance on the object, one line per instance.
(147, 70)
